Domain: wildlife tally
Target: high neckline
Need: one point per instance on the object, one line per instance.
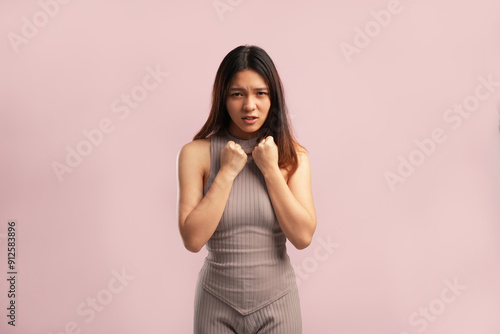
(249, 141)
(246, 144)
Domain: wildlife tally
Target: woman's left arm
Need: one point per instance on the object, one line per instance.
(293, 202)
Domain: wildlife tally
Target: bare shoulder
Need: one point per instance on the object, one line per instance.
(198, 153)
(198, 145)
(301, 156)
(300, 150)
(191, 161)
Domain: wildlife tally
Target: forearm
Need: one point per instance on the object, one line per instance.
(295, 222)
(203, 220)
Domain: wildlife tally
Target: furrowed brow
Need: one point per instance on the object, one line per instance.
(243, 89)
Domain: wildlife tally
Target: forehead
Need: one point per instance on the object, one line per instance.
(248, 77)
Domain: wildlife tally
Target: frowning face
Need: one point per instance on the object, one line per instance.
(247, 103)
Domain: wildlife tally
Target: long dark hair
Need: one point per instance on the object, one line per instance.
(277, 123)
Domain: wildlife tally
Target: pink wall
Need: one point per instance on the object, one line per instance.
(374, 97)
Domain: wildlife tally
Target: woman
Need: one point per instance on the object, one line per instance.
(244, 188)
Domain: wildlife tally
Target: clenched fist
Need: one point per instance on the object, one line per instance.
(232, 158)
(265, 154)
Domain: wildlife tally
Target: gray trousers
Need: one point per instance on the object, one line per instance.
(213, 316)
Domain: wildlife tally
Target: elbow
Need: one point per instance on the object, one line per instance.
(305, 239)
(191, 245)
(302, 243)
(193, 248)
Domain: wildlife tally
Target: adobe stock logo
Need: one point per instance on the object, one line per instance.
(311, 263)
(372, 29)
(221, 7)
(121, 106)
(428, 146)
(429, 313)
(30, 28)
(97, 303)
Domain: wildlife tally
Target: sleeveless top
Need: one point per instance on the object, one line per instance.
(247, 265)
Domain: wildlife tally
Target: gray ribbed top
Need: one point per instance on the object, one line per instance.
(247, 265)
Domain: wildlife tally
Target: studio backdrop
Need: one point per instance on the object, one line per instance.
(396, 101)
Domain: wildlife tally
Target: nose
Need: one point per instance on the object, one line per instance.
(249, 104)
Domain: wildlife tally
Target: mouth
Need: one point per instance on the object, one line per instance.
(250, 119)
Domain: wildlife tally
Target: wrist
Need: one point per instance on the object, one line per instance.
(271, 172)
(226, 175)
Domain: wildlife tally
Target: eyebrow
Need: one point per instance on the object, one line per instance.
(243, 89)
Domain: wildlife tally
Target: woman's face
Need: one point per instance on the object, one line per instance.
(248, 96)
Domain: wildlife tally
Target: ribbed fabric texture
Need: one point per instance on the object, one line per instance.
(213, 316)
(247, 265)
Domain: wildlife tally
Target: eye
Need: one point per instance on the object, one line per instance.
(234, 94)
(263, 93)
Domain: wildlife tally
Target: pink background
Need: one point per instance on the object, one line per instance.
(380, 256)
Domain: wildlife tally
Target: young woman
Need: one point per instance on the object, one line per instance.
(245, 188)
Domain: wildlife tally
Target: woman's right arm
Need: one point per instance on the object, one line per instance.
(199, 216)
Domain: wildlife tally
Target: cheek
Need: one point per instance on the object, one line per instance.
(230, 108)
(266, 105)
(231, 105)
